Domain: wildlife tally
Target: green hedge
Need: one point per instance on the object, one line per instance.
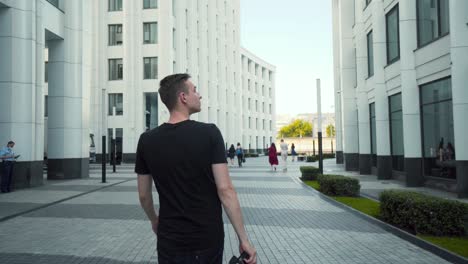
(337, 185)
(423, 214)
(309, 173)
(314, 158)
(251, 155)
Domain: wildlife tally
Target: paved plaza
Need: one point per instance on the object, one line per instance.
(85, 221)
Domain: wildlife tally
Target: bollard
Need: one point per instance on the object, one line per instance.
(113, 155)
(104, 161)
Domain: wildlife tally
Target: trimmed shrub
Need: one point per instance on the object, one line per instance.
(337, 185)
(251, 155)
(314, 158)
(423, 214)
(309, 173)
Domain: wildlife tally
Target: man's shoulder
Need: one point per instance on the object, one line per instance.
(204, 126)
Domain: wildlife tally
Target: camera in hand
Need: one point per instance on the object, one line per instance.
(240, 259)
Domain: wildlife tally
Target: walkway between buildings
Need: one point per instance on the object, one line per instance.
(84, 221)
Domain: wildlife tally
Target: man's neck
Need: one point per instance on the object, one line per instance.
(178, 116)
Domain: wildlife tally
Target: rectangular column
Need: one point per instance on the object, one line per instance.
(410, 95)
(18, 90)
(459, 56)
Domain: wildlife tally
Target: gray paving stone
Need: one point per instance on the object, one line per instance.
(287, 223)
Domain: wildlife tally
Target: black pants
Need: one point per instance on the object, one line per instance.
(211, 256)
(239, 159)
(6, 175)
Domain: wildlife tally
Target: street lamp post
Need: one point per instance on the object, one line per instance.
(319, 113)
(103, 158)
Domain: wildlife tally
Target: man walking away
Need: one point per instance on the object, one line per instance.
(186, 160)
(240, 154)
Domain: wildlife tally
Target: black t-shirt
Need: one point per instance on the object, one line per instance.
(179, 158)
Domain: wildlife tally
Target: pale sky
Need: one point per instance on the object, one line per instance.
(296, 37)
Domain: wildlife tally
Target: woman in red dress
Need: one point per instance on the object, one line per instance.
(272, 157)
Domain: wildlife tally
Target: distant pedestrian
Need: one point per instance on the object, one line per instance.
(186, 161)
(272, 158)
(232, 153)
(8, 157)
(240, 154)
(293, 152)
(284, 154)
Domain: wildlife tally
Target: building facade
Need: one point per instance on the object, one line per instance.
(257, 108)
(400, 90)
(92, 68)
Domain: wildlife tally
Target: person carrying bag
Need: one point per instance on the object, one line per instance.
(240, 155)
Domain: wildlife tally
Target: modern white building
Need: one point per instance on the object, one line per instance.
(401, 90)
(93, 67)
(257, 109)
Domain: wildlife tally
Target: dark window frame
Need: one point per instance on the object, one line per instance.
(389, 13)
(116, 97)
(150, 63)
(368, 2)
(369, 73)
(116, 10)
(373, 155)
(144, 8)
(150, 23)
(56, 4)
(109, 33)
(390, 112)
(421, 121)
(438, 26)
(117, 67)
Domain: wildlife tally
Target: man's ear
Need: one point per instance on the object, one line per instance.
(183, 97)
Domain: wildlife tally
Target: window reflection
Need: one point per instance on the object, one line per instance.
(437, 128)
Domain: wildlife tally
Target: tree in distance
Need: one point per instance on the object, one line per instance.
(297, 128)
(331, 131)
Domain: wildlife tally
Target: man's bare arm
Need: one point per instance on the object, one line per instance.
(145, 194)
(228, 197)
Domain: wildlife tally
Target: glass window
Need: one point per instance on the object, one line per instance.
(115, 35)
(396, 132)
(115, 69)
(393, 35)
(46, 72)
(433, 20)
(46, 103)
(115, 100)
(150, 33)
(437, 128)
(151, 110)
(150, 68)
(115, 5)
(174, 37)
(373, 134)
(370, 54)
(444, 17)
(54, 2)
(148, 4)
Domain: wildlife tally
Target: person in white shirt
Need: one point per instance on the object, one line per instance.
(284, 154)
(8, 157)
